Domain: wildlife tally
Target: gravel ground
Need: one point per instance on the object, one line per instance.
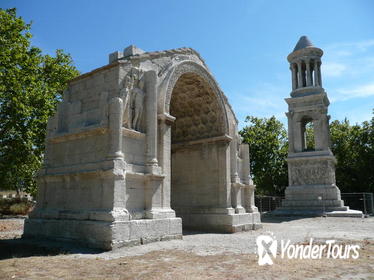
(197, 256)
(297, 230)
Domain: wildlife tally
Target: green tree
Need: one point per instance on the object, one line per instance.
(309, 136)
(31, 84)
(267, 139)
(353, 147)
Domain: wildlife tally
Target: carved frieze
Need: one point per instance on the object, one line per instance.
(311, 173)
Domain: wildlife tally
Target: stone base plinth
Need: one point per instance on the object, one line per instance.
(105, 235)
(314, 200)
(307, 212)
(226, 223)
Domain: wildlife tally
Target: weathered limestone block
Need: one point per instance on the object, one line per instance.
(139, 147)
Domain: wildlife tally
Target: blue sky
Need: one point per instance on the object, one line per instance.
(244, 43)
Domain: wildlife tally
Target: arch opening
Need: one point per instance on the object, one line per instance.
(195, 151)
(308, 139)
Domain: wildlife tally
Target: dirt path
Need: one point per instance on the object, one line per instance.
(206, 256)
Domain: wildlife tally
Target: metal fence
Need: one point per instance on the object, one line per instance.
(356, 201)
(267, 203)
(359, 201)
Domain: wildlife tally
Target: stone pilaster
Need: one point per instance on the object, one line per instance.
(151, 118)
(115, 128)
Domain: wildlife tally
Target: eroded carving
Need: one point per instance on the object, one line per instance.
(195, 106)
(311, 173)
(133, 94)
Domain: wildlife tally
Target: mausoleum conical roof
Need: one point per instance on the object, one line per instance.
(303, 42)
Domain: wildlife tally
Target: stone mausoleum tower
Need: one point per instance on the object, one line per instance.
(311, 168)
(139, 147)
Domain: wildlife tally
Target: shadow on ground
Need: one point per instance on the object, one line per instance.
(269, 217)
(22, 248)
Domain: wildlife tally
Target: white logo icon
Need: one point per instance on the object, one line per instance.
(266, 249)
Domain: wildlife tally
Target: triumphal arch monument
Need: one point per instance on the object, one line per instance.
(140, 147)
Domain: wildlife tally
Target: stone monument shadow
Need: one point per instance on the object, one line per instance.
(272, 218)
(27, 247)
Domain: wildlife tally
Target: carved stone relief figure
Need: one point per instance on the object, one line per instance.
(125, 94)
(132, 94)
(137, 101)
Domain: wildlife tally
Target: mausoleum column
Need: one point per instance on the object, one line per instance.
(300, 74)
(290, 132)
(294, 76)
(308, 74)
(324, 130)
(317, 74)
(318, 134)
(298, 137)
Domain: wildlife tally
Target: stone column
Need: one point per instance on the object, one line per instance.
(153, 196)
(294, 76)
(316, 74)
(249, 199)
(290, 132)
(325, 133)
(115, 128)
(236, 192)
(317, 130)
(164, 151)
(244, 149)
(300, 74)
(224, 192)
(298, 137)
(234, 160)
(151, 118)
(319, 74)
(308, 74)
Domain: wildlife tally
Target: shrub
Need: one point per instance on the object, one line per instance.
(19, 208)
(15, 206)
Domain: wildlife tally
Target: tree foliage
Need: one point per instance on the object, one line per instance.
(31, 84)
(352, 145)
(267, 139)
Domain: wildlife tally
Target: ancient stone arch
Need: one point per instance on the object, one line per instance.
(137, 149)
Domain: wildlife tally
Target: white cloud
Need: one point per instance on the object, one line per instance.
(356, 92)
(333, 69)
(346, 48)
(349, 58)
(264, 100)
(364, 45)
(343, 53)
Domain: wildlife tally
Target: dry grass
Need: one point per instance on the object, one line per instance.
(170, 264)
(184, 265)
(15, 206)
